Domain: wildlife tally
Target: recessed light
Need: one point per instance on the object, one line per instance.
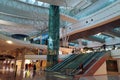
(9, 42)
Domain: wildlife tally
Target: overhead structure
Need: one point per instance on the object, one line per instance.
(65, 3)
(30, 17)
(15, 13)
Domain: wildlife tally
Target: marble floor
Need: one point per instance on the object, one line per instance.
(11, 74)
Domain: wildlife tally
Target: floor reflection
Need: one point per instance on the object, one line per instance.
(11, 74)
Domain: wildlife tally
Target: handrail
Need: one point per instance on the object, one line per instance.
(59, 64)
(100, 58)
(82, 64)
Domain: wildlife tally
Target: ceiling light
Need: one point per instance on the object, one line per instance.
(99, 34)
(111, 0)
(9, 42)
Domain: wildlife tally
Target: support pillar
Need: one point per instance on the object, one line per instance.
(9, 64)
(6, 65)
(80, 43)
(23, 61)
(53, 40)
(118, 65)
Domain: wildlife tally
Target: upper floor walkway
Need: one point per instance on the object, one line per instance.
(107, 17)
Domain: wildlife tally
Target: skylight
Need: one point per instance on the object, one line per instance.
(35, 2)
(102, 36)
(117, 29)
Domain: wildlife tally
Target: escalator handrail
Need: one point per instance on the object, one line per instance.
(77, 61)
(59, 63)
(80, 55)
(96, 55)
(63, 61)
(59, 66)
(82, 63)
(96, 59)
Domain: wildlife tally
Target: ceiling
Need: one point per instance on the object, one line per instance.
(65, 3)
(15, 19)
(12, 26)
(31, 20)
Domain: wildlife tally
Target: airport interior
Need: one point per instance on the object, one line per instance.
(59, 39)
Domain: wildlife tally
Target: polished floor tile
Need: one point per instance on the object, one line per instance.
(11, 74)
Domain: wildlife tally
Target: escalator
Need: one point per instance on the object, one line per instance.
(92, 65)
(82, 63)
(77, 64)
(58, 66)
(74, 64)
(98, 61)
(89, 61)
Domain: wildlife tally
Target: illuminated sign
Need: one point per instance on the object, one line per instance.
(50, 41)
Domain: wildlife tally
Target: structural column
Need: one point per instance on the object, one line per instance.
(53, 40)
(118, 65)
(80, 43)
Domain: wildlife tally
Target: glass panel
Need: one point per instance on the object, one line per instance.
(102, 36)
(117, 29)
(34, 2)
(76, 12)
